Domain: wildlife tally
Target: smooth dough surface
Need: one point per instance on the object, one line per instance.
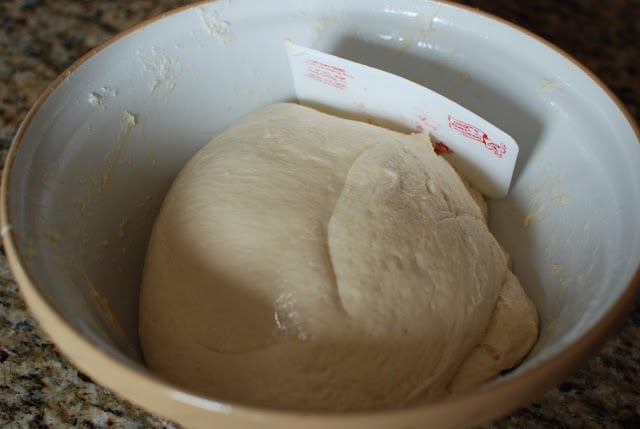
(304, 261)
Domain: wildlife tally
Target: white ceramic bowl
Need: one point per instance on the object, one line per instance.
(92, 161)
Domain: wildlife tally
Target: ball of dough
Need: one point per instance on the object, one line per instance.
(304, 261)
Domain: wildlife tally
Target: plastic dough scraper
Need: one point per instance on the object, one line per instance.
(481, 152)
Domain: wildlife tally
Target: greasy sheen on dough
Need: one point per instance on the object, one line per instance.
(308, 262)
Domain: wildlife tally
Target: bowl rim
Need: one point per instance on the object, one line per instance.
(148, 390)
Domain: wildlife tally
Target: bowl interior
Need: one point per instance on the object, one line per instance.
(99, 153)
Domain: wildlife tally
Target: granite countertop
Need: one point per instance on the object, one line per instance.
(40, 38)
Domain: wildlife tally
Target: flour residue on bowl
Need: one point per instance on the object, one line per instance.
(104, 239)
(50, 174)
(548, 85)
(215, 26)
(98, 186)
(99, 97)
(141, 218)
(107, 315)
(52, 235)
(69, 256)
(149, 154)
(322, 24)
(543, 194)
(96, 99)
(164, 69)
(102, 305)
(319, 26)
(545, 200)
(424, 24)
(128, 122)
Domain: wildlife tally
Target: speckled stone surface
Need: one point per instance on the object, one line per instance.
(39, 38)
